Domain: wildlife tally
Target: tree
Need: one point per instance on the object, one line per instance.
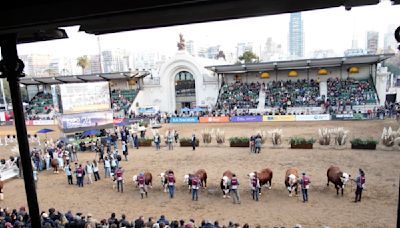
(83, 62)
(249, 57)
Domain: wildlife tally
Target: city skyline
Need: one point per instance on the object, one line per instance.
(329, 29)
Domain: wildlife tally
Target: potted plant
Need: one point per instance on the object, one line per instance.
(301, 143)
(145, 142)
(220, 137)
(239, 142)
(366, 144)
(187, 142)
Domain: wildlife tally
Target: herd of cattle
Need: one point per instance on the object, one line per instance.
(292, 179)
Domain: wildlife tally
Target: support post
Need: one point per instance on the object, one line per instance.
(11, 67)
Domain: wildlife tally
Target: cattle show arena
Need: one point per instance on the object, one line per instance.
(275, 208)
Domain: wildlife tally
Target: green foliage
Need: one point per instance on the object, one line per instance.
(187, 140)
(368, 141)
(83, 62)
(145, 140)
(300, 140)
(239, 140)
(249, 57)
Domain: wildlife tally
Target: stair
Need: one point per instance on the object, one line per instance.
(261, 100)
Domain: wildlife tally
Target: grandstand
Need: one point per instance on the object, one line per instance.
(121, 101)
(40, 106)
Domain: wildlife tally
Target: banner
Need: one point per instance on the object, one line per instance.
(42, 122)
(317, 117)
(348, 116)
(214, 119)
(84, 120)
(84, 97)
(279, 118)
(246, 119)
(184, 120)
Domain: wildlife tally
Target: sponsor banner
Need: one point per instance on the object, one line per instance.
(214, 119)
(279, 118)
(84, 120)
(118, 120)
(359, 116)
(184, 119)
(348, 116)
(42, 122)
(246, 119)
(317, 117)
(84, 97)
(149, 110)
(28, 122)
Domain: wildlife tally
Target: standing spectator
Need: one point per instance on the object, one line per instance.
(149, 223)
(157, 141)
(234, 188)
(135, 141)
(107, 167)
(252, 144)
(176, 136)
(125, 150)
(113, 165)
(68, 172)
(96, 170)
(170, 140)
(163, 220)
(142, 185)
(35, 177)
(194, 141)
(258, 144)
(171, 184)
(89, 171)
(113, 220)
(360, 181)
(195, 187)
(305, 185)
(120, 179)
(255, 185)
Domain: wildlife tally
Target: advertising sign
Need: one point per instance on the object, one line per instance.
(317, 117)
(279, 118)
(214, 119)
(246, 119)
(85, 97)
(84, 120)
(183, 120)
(347, 116)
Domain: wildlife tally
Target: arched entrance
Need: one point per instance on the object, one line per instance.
(185, 90)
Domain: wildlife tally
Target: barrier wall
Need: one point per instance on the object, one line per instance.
(214, 119)
(279, 118)
(318, 117)
(184, 120)
(246, 119)
(39, 122)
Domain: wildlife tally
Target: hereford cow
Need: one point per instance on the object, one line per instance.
(148, 179)
(226, 183)
(163, 178)
(337, 177)
(265, 177)
(54, 164)
(292, 180)
(201, 174)
(1, 190)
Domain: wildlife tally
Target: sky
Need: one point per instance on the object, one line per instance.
(332, 28)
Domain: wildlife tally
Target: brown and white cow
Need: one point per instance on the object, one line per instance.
(148, 179)
(292, 180)
(226, 183)
(201, 174)
(264, 176)
(337, 177)
(55, 164)
(164, 179)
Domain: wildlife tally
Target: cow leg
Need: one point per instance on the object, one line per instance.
(337, 190)
(342, 190)
(269, 184)
(205, 183)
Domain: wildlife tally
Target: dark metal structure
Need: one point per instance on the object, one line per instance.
(30, 21)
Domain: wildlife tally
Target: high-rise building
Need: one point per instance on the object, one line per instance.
(372, 42)
(190, 47)
(115, 61)
(389, 42)
(296, 36)
(36, 65)
(271, 51)
(212, 52)
(243, 47)
(95, 66)
(202, 52)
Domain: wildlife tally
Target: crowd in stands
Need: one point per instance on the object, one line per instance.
(350, 92)
(41, 103)
(19, 218)
(121, 100)
(239, 95)
(300, 93)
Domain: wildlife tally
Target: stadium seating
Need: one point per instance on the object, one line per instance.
(300, 93)
(121, 100)
(239, 95)
(41, 103)
(351, 92)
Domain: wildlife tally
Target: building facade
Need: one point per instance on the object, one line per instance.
(296, 36)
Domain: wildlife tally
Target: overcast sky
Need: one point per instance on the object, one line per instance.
(324, 29)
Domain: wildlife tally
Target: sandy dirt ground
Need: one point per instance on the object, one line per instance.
(275, 208)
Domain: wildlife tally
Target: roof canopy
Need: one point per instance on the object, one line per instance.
(83, 78)
(299, 64)
(34, 19)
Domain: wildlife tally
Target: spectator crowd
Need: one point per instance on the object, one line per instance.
(239, 95)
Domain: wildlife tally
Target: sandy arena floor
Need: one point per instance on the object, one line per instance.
(378, 208)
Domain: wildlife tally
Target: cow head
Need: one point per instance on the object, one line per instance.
(292, 181)
(162, 177)
(186, 179)
(345, 178)
(134, 178)
(225, 181)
